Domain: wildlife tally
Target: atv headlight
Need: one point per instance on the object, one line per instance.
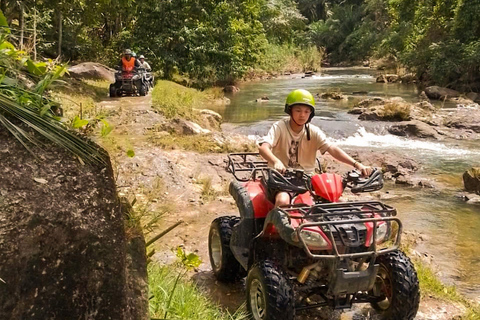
(381, 232)
(314, 239)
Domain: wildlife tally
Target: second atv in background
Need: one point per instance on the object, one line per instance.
(130, 77)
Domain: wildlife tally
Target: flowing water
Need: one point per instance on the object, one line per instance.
(450, 226)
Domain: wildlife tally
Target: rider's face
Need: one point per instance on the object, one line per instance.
(301, 113)
(127, 56)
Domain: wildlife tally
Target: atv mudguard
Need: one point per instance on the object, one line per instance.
(252, 215)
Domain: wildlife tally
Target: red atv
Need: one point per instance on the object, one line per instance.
(316, 252)
(129, 82)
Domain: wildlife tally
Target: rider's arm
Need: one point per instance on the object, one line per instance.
(342, 156)
(265, 150)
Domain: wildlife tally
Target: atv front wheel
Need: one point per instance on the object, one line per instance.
(143, 90)
(224, 265)
(269, 293)
(396, 287)
(113, 90)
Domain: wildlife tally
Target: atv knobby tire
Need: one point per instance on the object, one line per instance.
(397, 282)
(269, 293)
(112, 90)
(224, 265)
(143, 90)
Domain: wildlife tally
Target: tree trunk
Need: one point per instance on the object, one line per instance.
(60, 33)
(3, 6)
(35, 32)
(22, 23)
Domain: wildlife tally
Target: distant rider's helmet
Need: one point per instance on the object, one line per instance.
(300, 97)
(141, 57)
(127, 52)
(134, 54)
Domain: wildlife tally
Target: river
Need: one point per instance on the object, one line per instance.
(450, 226)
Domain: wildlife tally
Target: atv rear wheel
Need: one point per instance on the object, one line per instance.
(397, 284)
(269, 293)
(224, 265)
(112, 90)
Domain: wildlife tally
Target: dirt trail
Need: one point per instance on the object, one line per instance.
(156, 177)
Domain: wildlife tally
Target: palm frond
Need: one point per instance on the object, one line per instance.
(48, 128)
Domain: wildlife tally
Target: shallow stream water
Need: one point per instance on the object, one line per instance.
(450, 227)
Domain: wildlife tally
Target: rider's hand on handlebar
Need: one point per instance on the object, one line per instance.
(278, 165)
(365, 170)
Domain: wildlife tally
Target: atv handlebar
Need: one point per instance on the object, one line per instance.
(357, 184)
(247, 166)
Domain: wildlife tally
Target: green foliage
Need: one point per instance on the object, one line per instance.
(22, 86)
(207, 40)
(282, 20)
(188, 302)
(291, 58)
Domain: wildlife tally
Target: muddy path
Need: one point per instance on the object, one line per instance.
(169, 183)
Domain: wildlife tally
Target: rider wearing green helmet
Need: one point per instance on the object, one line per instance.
(293, 142)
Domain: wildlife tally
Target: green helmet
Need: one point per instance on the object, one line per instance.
(300, 96)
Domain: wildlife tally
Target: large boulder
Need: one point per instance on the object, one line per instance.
(92, 70)
(436, 93)
(471, 180)
(63, 246)
(414, 128)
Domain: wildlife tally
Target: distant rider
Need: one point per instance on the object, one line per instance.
(128, 62)
(144, 64)
(294, 142)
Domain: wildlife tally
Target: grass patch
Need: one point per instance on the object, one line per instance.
(174, 100)
(81, 96)
(187, 300)
(204, 143)
(395, 111)
(208, 193)
(430, 285)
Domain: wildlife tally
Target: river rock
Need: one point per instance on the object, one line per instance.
(183, 127)
(464, 117)
(414, 128)
(388, 78)
(473, 96)
(440, 93)
(471, 180)
(209, 119)
(262, 99)
(231, 89)
(63, 244)
(408, 78)
(92, 70)
(332, 95)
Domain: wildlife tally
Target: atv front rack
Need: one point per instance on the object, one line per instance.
(244, 165)
(328, 215)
